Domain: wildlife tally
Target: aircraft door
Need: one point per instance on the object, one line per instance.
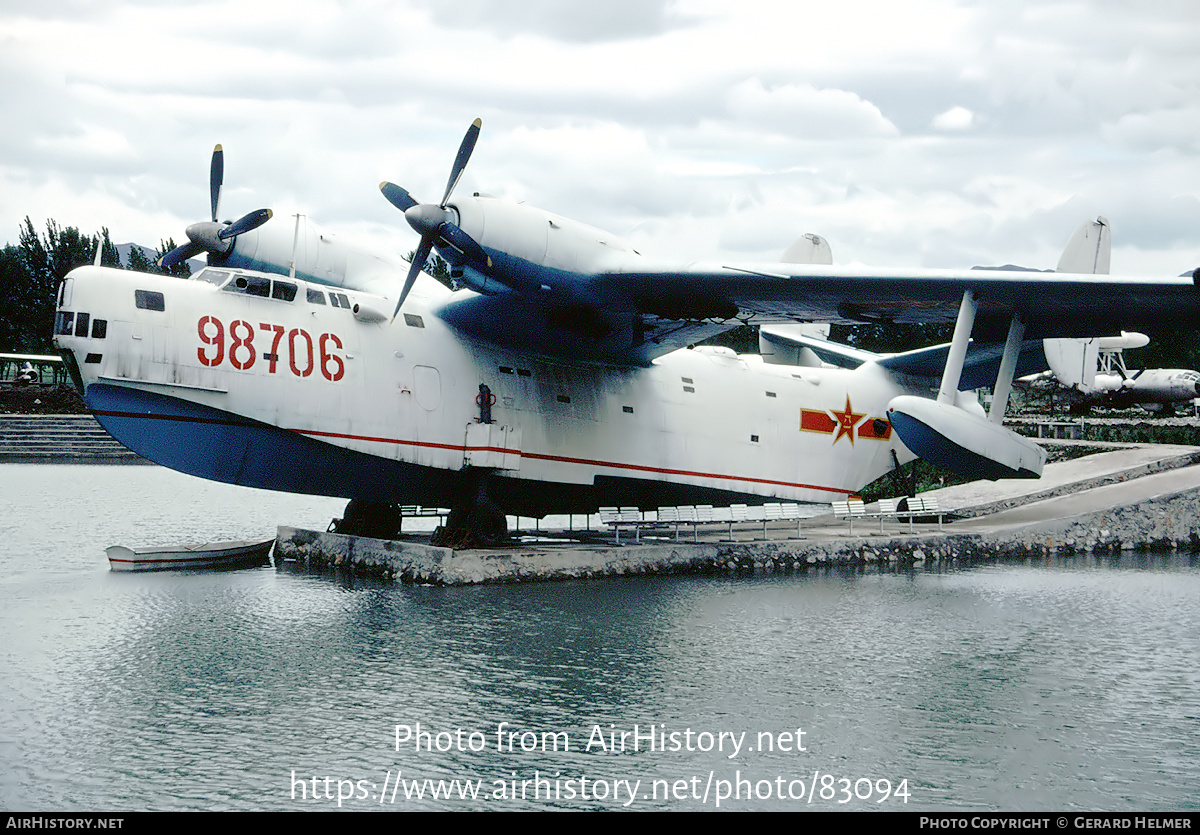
(427, 387)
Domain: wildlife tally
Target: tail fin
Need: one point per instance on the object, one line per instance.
(1075, 361)
(808, 249)
(785, 345)
(1090, 249)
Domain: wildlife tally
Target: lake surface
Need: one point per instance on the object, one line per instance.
(1065, 685)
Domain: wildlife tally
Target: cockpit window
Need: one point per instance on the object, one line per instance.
(261, 285)
(217, 277)
(315, 296)
(254, 285)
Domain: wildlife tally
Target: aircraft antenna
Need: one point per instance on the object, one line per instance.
(295, 246)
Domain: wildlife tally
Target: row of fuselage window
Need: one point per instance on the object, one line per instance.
(77, 324)
(268, 288)
(70, 323)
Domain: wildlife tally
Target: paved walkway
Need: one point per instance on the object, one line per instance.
(1123, 465)
(1120, 477)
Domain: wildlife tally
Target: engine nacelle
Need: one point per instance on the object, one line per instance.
(517, 236)
(320, 256)
(962, 442)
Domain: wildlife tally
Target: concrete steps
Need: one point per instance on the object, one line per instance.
(59, 439)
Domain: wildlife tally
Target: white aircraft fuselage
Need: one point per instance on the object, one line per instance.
(306, 386)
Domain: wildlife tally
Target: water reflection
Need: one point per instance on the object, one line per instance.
(1056, 685)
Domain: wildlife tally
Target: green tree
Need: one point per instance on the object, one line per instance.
(435, 266)
(180, 270)
(109, 257)
(139, 262)
(47, 259)
(51, 256)
(742, 340)
(891, 338)
(18, 328)
(1167, 349)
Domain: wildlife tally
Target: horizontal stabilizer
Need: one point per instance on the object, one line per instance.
(979, 368)
(786, 344)
(781, 343)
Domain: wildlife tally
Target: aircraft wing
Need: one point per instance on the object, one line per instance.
(632, 316)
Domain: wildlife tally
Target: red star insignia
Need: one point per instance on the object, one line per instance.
(846, 419)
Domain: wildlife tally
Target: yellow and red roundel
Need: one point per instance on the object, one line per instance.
(844, 423)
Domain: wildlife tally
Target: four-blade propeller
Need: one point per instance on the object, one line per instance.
(436, 223)
(213, 236)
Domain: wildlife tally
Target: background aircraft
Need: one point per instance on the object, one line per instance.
(555, 381)
(1093, 373)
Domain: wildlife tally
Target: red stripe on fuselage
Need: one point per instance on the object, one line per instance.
(464, 449)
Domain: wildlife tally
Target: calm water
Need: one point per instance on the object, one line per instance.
(1069, 685)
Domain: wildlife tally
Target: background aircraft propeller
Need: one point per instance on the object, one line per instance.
(435, 223)
(212, 236)
(1127, 381)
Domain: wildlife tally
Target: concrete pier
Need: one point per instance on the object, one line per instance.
(1129, 499)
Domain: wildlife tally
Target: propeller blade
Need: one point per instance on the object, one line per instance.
(418, 263)
(460, 161)
(180, 254)
(216, 179)
(455, 238)
(398, 197)
(245, 223)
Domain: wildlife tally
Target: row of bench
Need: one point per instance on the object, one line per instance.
(704, 514)
(631, 518)
(913, 507)
(697, 515)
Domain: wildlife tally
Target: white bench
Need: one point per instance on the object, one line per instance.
(914, 506)
(850, 510)
(416, 511)
(741, 513)
(887, 507)
(925, 506)
(616, 518)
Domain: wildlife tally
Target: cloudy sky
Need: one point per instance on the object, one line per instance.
(932, 133)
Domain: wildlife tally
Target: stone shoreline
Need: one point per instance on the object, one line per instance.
(1164, 523)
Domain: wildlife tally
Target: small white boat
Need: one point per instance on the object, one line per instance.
(208, 555)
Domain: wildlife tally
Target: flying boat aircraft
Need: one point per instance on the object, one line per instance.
(1090, 373)
(558, 379)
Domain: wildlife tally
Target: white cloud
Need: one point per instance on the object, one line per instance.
(956, 118)
(939, 134)
(803, 111)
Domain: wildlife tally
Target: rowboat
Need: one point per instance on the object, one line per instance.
(208, 555)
